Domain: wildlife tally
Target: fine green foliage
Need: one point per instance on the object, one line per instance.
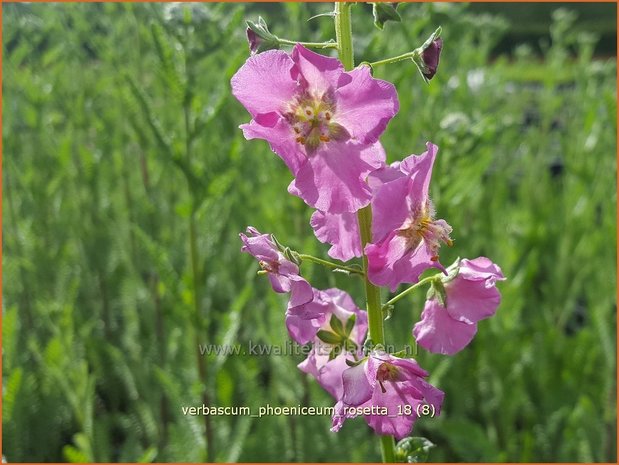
(120, 135)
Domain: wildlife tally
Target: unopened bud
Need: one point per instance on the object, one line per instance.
(427, 56)
(259, 38)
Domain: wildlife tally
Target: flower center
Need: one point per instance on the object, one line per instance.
(386, 372)
(270, 267)
(312, 120)
(423, 227)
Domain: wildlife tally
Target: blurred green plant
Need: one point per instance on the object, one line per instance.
(121, 137)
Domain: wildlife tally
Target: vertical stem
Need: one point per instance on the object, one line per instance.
(372, 293)
(343, 34)
(387, 444)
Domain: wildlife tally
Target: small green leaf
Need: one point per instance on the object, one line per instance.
(350, 324)
(452, 271)
(328, 337)
(337, 326)
(385, 11)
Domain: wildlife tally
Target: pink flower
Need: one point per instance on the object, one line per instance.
(322, 121)
(469, 296)
(283, 274)
(389, 391)
(407, 236)
(337, 334)
(341, 230)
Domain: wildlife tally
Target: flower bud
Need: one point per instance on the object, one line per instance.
(427, 56)
(259, 38)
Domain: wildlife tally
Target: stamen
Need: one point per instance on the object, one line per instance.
(382, 387)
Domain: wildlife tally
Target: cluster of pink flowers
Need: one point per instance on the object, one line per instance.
(325, 124)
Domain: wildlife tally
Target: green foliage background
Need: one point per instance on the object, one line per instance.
(120, 136)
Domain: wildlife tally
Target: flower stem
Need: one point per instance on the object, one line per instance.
(407, 291)
(343, 35)
(328, 264)
(387, 61)
(372, 292)
(388, 448)
(321, 45)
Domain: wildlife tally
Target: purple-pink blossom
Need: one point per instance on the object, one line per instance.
(389, 392)
(322, 121)
(341, 230)
(469, 296)
(283, 274)
(337, 333)
(406, 235)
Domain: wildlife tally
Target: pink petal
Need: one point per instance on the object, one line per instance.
(300, 291)
(341, 231)
(472, 294)
(276, 131)
(396, 397)
(300, 329)
(320, 73)
(419, 167)
(327, 373)
(481, 268)
(384, 174)
(333, 179)
(423, 162)
(357, 389)
(366, 105)
(265, 83)
(389, 210)
(441, 334)
(391, 262)
(471, 301)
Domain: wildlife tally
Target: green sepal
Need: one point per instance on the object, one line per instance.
(350, 324)
(329, 337)
(452, 271)
(387, 311)
(437, 291)
(383, 12)
(337, 326)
